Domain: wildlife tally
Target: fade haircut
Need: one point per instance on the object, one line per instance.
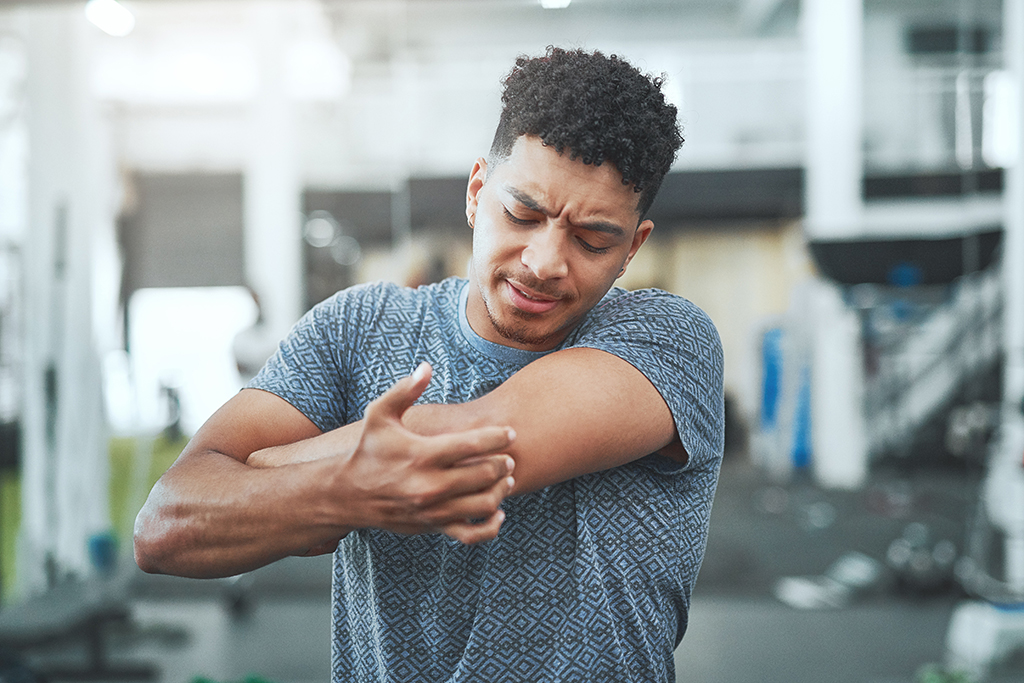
(599, 108)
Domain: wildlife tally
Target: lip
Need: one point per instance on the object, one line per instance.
(521, 299)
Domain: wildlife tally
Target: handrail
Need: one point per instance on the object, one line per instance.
(913, 383)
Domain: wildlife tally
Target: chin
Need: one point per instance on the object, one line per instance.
(515, 327)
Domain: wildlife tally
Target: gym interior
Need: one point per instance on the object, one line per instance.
(180, 180)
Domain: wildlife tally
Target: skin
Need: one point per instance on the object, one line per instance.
(215, 514)
(551, 235)
(259, 481)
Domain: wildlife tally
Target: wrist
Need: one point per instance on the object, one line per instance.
(336, 506)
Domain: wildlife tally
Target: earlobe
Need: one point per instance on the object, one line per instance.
(643, 231)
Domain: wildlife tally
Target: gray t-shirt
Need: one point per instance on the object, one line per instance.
(589, 579)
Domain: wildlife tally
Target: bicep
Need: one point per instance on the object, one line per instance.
(250, 421)
(575, 412)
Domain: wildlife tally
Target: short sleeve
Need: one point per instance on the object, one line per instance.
(676, 346)
(306, 370)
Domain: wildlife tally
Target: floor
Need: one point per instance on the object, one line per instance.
(274, 625)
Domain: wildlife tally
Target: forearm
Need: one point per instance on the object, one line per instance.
(341, 441)
(211, 515)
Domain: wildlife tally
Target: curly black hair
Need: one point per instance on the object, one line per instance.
(600, 108)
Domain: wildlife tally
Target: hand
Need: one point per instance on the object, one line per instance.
(407, 483)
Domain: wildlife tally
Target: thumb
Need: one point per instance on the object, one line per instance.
(393, 403)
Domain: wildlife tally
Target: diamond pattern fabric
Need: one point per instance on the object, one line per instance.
(589, 579)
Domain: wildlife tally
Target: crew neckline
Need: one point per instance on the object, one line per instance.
(489, 348)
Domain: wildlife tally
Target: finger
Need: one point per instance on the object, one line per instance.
(447, 484)
(449, 449)
(393, 403)
(470, 533)
(479, 505)
(441, 486)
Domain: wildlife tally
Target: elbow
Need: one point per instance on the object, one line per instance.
(144, 558)
(150, 543)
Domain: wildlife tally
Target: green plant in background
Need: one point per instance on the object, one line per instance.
(129, 486)
(10, 522)
(936, 673)
(135, 465)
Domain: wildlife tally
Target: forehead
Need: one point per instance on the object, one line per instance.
(536, 169)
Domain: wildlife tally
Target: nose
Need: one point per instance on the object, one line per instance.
(543, 253)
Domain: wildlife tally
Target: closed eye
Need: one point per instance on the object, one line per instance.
(515, 219)
(591, 248)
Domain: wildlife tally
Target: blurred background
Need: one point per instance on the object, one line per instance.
(181, 179)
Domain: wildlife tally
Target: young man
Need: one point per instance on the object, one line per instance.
(592, 415)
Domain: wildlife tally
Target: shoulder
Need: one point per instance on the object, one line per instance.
(676, 346)
(363, 302)
(651, 312)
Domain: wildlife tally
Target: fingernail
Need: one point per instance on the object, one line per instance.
(510, 464)
(501, 516)
(511, 483)
(511, 434)
(420, 372)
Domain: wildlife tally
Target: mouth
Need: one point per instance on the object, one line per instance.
(528, 300)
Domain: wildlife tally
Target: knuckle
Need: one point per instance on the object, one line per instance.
(428, 518)
(424, 497)
(422, 520)
(499, 467)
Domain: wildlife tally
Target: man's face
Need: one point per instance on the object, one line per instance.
(550, 235)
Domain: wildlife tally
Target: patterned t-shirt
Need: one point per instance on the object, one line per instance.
(588, 580)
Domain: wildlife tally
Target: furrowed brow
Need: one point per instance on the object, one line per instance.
(525, 199)
(530, 203)
(603, 226)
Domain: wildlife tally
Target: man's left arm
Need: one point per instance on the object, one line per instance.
(575, 411)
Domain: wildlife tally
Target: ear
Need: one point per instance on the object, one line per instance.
(643, 231)
(476, 181)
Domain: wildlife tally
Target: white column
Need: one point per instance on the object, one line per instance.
(838, 435)
(65, 462)
(272, 190)
(833, 53)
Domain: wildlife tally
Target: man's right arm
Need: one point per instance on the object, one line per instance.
(212, 515)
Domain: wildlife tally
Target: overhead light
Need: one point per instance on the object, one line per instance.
(554, 4)
(110, 16)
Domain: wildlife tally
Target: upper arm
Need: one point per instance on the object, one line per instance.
(643, 374)
(575, 411)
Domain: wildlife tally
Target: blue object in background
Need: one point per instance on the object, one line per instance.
(771, 357)
(905, 274)
(802, 422)
(103, 553)
(798, 423)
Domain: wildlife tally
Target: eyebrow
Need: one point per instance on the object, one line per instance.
(532, 204)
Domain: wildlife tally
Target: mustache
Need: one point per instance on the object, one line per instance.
(541, 287)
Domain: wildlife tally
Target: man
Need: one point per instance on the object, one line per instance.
(591, 415)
